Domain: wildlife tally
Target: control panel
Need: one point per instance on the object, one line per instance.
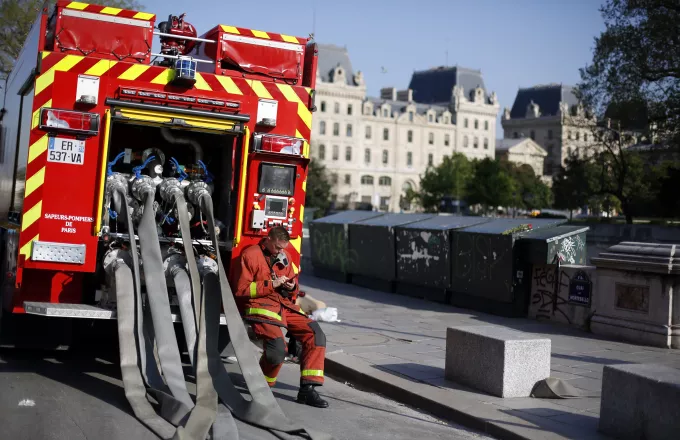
(270, 211)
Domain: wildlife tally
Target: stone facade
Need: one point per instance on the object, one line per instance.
(552, 116)
(377, 148)
(523, 151)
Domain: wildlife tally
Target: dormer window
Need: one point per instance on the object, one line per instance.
(430, 117)
(410, 116)
(446, 119)
(386, 113)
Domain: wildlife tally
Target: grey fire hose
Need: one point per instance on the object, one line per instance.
(182, 283)
(128, 299)
(157, 293)
(263, 411)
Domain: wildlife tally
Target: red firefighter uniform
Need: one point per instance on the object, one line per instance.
(269, 311)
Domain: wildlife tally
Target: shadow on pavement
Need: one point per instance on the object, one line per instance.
(568, 424)
(91, 373)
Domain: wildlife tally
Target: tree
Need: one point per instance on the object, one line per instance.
(16, 19)
(491, 185)
(531, 193)
(637, 59)
(449, 178)
(573, 185)
(318, 188)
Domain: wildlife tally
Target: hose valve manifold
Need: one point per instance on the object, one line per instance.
(142, 186)
(196, 191)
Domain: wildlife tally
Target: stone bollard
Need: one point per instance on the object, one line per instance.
(500, 361)
(640, 401)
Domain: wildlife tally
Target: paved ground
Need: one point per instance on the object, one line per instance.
(75, 396)
(399, 339)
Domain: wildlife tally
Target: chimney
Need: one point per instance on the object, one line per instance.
(405, 95)
(389, 93)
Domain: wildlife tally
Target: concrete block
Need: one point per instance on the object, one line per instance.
(500, 361)
(640, 401)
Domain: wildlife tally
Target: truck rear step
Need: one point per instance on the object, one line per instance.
(82, 311)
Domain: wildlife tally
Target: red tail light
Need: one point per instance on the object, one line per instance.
(69, 121)
(279, 144)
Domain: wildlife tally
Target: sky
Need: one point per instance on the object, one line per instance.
(515, 43)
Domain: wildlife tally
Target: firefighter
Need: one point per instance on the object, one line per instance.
(264, 288)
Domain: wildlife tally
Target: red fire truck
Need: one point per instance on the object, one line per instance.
(190, 154)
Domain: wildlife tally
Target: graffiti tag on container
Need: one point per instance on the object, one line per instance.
(545, 295)
(331, 250)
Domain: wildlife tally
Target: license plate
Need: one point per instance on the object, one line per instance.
(69, 151)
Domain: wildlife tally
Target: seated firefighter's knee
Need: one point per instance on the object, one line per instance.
(319, 335)
(275, 351)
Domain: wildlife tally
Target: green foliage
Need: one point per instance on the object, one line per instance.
(637, 60)
(17, 17)
(318, 188)
(532, 193)
(446, 179)
(492, 185)
(574, 184)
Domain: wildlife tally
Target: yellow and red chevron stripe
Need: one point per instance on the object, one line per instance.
(52, 62)
(263, 35)
(107, 10)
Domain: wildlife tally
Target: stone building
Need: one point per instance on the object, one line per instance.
(376, 148)
(522, 151)
(552, 116)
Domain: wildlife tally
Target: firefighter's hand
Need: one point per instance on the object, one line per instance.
(289, 285)
(279, 281)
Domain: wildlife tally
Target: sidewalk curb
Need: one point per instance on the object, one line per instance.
(467, 412)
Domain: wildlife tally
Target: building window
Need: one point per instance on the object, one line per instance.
(447, 140)
(348, 154)
(349, 109)
(578, 135)
(337, 107)
(323, 106)
(569, 134)
(465, 141)
(386, 156)
(368, 132)
(446, 119)
(322, 152)
(322, 127)
(486, 125)
(486, 144)
(569, 151)
(430, 159)
(385, 181)
(336, 152)
(349, 130)
(532, 135)
(585, 137)
(465, 123)
(409, 159)
(367, 156)
(348, 179)
(476, 124)
(409, 136)
(430, 138)
(336, 129)
(430, 118)
(410, 116)
(386, 134)
(384, 203)
(334, 178)
(515, 135)
(550, 134)
(386, 113)
(367, 180)
(476, 143)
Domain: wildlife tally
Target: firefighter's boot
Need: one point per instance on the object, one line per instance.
(308, 396)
